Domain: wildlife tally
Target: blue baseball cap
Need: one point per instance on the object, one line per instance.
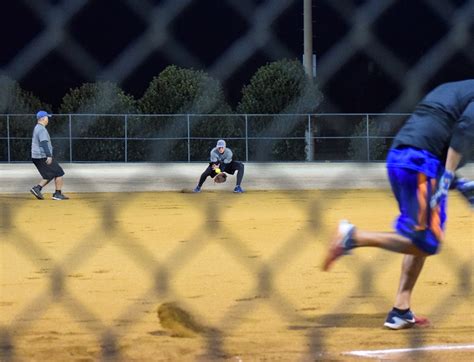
(220, 143)
(42, 114)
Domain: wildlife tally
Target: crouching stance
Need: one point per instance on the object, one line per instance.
(221, 163)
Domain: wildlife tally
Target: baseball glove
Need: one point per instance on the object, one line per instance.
(220, 178)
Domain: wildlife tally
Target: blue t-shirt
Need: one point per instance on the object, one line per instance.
(443, 119)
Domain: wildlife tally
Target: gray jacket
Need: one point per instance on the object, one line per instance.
(220, 158)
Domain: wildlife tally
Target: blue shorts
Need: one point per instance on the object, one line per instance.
(413, 189)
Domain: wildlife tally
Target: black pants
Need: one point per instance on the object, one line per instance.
(229, 168)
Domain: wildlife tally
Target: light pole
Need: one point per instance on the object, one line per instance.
(308, 66)
(308, 38)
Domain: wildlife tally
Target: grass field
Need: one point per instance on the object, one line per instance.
(83, 280)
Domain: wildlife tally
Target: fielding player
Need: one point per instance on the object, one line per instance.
(434, 142)
(221, 161)
(42, 157)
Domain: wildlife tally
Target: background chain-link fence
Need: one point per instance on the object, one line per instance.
(153, 35)
(137, 138)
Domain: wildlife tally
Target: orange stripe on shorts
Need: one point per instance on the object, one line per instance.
(422, 195)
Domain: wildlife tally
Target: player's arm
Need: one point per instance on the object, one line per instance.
(43, 143)
(466, 126)
(45, 147)
(466, 188)
(214, 161)
(460, 146)
(227, 158)
(463, 134)
(452, 160)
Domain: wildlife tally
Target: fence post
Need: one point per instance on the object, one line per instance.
(126, 137)
(367, 136)
(246, 139)
(8, 138)
(189, 138)
(70, 138)
(309, 147)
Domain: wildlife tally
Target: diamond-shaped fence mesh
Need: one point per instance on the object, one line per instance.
(173, 260)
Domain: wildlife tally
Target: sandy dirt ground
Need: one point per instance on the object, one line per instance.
(83, 280)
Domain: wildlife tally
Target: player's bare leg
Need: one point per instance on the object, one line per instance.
(401, 316)
(36, 190)
(411, 268)
(388, 241)
(58, 195)
(348, 237)
(58, 181)
(43, 182)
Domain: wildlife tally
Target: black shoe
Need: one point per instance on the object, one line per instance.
(35, 190)
(57, 196)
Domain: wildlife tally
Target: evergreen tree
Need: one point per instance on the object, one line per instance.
(281, 89)
(94, 106)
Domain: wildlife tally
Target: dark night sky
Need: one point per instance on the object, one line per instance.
(206, 28)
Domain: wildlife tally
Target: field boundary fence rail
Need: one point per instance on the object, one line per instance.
(189, 137)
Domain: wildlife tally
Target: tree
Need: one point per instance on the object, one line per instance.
(280, 87)
(95, 101)
(178, 90)
(19, 105)
(185, 92)
(98, 98)
(15, 100)
(358, 144)
(284, 89)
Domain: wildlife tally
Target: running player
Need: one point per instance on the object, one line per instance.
(426, 152)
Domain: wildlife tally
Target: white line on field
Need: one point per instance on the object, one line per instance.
(382, 352)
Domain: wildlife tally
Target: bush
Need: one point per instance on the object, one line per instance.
(21, 105)
(377, 146)
(280, 87)
(15, 100)
(100, 98)
(177, 90)
(184, 91)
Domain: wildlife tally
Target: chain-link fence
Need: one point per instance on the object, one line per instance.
(179, 138)
(154, 28)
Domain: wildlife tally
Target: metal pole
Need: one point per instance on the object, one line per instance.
(70, 139)
(8, 138)
(308, 38)
(246, 139)
(368, 137)
(309, 149)
(308, 66)
(189, 138)
(126, 137)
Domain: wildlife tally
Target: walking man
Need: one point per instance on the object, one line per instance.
(42, 157)
(221, 161)
(426, 152)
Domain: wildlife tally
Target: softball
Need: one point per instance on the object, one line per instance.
(217, 170)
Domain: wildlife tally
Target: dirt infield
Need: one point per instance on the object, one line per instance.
(83, 280)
